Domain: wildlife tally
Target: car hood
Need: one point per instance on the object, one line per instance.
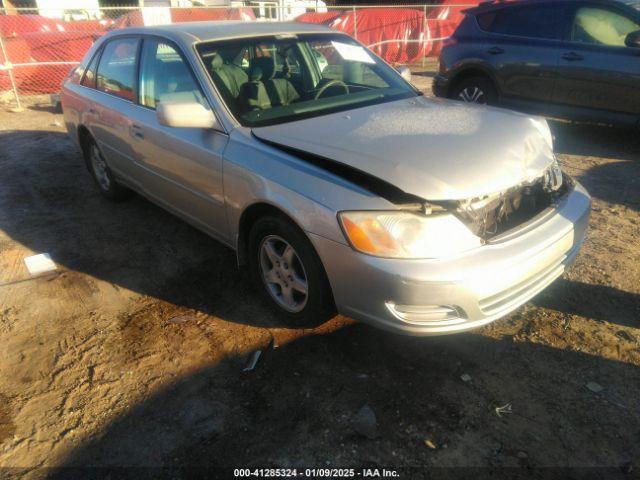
(430, 148)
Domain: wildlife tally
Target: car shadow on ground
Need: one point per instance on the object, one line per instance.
(616, 181)
(595, 140)
(52, 205)
(45, 108)
(597, 302)
(298, 408)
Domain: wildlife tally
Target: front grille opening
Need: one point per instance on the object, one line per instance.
(492, 216)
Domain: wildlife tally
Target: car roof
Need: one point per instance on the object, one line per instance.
(191, 32)
(492, 5)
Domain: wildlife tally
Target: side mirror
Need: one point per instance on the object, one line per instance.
(405, 73)
(633, 39)
(185, 115)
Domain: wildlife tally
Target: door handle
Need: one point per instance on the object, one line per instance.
(495, 51)
(572, 56)
(136, 131)
(93, 111)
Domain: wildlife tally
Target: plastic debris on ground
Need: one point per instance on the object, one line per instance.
(465, 377)
(253, 360)
(182, 319)
(594, 387)
(39, 264)
(430, 444)
(505, 409)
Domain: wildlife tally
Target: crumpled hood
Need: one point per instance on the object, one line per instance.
(434, 149)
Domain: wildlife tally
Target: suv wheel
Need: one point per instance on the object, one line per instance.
(286, 268)
(101, 173)
(476, 90)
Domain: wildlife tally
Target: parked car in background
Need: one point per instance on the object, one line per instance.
(337, 183)
(577, 59)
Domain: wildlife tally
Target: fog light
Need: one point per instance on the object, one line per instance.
(427, 314)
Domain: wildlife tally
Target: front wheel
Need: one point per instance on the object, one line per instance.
(476, 90)
(288, 272)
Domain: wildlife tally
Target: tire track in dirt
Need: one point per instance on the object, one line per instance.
(7, 427)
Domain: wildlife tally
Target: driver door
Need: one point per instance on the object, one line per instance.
(182, 167)
(596, 70)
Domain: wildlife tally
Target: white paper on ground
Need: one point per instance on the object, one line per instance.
(355, 53)
(41, 263)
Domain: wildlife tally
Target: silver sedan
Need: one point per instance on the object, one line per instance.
(336, 182)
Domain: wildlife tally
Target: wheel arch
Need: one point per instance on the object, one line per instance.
(249, 216)
(253, 213)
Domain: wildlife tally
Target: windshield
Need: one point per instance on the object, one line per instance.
(270, 80)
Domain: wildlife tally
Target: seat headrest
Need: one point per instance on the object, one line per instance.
(255, 75)
(267, 65)
(217, 62)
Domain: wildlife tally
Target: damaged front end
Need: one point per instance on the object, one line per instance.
(493, 215)
(424, 228)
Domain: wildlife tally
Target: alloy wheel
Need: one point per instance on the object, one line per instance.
(472, 95)
(283, 274)
(100, 169)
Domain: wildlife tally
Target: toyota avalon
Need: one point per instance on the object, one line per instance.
(338, 184)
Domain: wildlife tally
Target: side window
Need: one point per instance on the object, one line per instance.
(164, 76)
(601, 27)
(537, 21)
(89, 79)
(116, 71)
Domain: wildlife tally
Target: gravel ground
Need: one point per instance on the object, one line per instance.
(133, 353)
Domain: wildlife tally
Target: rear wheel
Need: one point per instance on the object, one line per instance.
(288, 272)
(476, 90)
(101, 173)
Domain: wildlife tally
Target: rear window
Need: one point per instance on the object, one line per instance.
(535, 21)
(89, 79)
(116, 71)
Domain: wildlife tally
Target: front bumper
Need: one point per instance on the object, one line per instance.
(437, 297)
(440, 86)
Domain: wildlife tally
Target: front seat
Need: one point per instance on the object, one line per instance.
(253, 95)
(227, 77)
(280, 90)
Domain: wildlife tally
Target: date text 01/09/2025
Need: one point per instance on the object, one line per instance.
(316, 473)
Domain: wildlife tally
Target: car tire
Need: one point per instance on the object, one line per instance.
(283, 264)
(479, 90)
(109, 187)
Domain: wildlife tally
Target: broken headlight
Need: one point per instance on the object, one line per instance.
(552, 178)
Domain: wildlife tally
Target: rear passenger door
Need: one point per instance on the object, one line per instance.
(111, 95)
(597, 70)
(181, 167)
(524, 45)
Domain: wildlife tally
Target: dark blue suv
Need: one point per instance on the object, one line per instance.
(576, 59)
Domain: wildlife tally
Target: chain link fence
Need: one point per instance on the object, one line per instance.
(38, 48)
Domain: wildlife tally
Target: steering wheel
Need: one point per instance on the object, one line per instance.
(329, 84)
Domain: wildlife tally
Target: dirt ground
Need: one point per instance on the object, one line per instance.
(133, 353)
